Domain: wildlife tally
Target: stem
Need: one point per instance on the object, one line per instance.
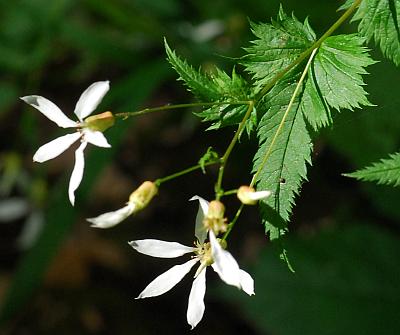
(159, 181)
(296, 91)
(232, 224)
(167, 107)
(230, 192)
(224, 158)
(307, 52)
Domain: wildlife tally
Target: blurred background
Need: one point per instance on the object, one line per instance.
(59, 276)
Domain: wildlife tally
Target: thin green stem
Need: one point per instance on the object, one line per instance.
(307, 52)
(232, 224)
(162, 180)
(230, 192)
(279, 129)
(224, 158)
(168, 107)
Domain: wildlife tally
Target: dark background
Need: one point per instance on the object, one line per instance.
(59, 276)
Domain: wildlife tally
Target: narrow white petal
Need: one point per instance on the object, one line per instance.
(50, 110)
(96, 138)
(246, 282)
(55, 147)
(91, 98)
(164, 282)
(161, 249)
(196, 306)
(111, 219)
(224, 263)
(259, 195)
(77, 173)
(200, 231)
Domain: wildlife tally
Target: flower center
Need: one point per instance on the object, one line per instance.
(203, 252)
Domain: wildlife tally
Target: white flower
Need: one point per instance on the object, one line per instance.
(86, 104)
(207, 254)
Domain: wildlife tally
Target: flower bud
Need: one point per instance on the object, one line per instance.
(248, 196)
(143, 195)
(214, 218)
(100, 122)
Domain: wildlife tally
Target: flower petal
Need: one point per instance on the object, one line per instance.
(196, 306)
(111, 219)
(246, 282)
(55, 147)
(259, 195)
(50, 110)
(164, 282)
(96, 138)
(200, 231)
(161, 249)
(224, 263)
(91, 98)
(77, 173)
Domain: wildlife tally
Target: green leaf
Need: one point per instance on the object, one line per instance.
(198, 83)
(286, 165)
(277, 45)
(335, 79)
(232, 89)
(379, 21)
(216, 87)
(386, 171)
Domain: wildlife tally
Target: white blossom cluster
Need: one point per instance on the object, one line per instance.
(208, 249)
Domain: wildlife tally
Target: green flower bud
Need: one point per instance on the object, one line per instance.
(143, 195)
(100, 122)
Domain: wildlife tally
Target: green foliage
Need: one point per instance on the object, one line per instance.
(277, 45)
(215, 87)
(379, 20)
(334, 79)
(387, 171)
(286, 166)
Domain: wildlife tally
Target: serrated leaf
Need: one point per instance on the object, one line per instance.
(335, 79)
(231, 89)
(286, 166)
(277, 45)
(216, 87)
(380, 21)
(198, 83)
(386, 171)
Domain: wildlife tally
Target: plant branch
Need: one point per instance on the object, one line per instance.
(168, 107)
(224, 158)
(162, 180)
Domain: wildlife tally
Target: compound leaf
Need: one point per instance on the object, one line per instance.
(386, 171)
